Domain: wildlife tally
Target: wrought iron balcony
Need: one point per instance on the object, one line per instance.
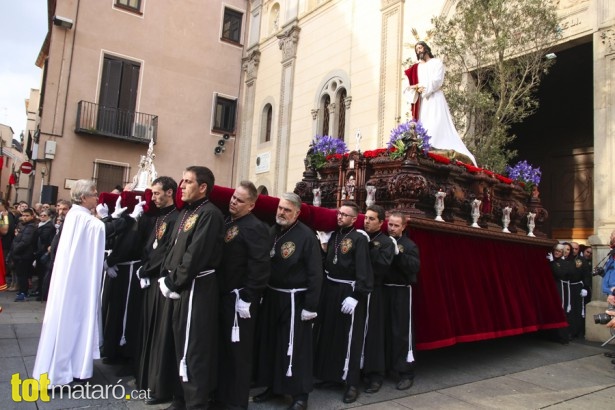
(95, 119)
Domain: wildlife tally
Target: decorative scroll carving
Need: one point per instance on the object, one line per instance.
(608, 39)
(288, 43)
(250, 64)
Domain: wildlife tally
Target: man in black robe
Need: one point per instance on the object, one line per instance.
(121, 293)
(343, 305)
(397, 303)
(381, 253)
(284, 332)
(242, 277)
(190, 282)
(156, 368)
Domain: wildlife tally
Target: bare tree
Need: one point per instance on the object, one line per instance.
(495, 52)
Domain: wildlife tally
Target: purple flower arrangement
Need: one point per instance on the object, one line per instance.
(526, 173)
(406, 134)
(321, 147)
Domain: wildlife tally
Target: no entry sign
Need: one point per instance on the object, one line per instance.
(26, 167)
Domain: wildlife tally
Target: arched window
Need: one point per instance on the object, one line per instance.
(341, 113)
(266, 120)
(326, 101)
(332, 102)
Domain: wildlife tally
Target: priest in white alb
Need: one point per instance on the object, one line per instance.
(70, 336)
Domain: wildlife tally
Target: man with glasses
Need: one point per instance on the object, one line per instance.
(349, 280)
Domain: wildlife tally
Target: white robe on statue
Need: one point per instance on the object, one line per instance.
(434, 113)
(70, 339)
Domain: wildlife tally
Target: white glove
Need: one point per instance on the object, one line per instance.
(166, 292)
(34, 264)
(118, 208)
(102, 210)
(395, 243)
(307, 315)
(138, 210)
(139, 272)
(583, 293)
(174, 295)
(144, 283)
(361, 231)
(550, 256)
(324, 237)
(348, 305)
(243, 308)
(111, 270)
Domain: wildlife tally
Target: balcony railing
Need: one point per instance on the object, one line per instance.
(132, 126)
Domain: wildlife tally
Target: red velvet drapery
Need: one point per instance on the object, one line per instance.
(470, 288)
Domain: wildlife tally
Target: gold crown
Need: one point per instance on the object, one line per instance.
(415, 34)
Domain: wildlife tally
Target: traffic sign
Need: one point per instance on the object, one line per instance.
(26, 167)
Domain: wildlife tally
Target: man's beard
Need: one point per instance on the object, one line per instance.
(421, 56)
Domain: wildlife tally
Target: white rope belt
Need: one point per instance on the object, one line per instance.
(568, 283)
(410, 355)
(369, 298)
(131, 264)
(183, 367)
(291, 336)
(235, 329)
(347, 361)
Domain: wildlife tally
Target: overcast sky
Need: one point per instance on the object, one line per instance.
(22, 32)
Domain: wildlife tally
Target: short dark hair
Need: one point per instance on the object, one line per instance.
(203, 175)
(378, 209)
(401, 215)
(166, 183)
(353, 205)
(251, 188)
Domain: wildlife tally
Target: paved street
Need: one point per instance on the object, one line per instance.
(522, 372)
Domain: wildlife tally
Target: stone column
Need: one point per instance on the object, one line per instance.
(250, 67)
(604, 153)
(389, 93)
(288, 45)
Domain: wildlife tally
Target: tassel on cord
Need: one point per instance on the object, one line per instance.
(235, 334)
(235, 329)
(410, 357)
(183, 370)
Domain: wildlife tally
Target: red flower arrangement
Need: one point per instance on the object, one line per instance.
(374, 153)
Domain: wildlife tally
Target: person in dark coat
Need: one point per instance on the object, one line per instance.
(156, 369)
(569, 282)
(23, 251)
(190, 282)
(242, 277)
(62, 208)
(349, 280)
(121, 294)
(397, 302)
(284, 332)
(46, 231)
(381, 253)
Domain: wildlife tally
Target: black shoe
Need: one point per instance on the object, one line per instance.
(155, 400)
(124, 371)
(351, 394)
(327, 385)
(298, 405)
(373, 387)
(404, 384)
(264, 396)
(177, 406)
